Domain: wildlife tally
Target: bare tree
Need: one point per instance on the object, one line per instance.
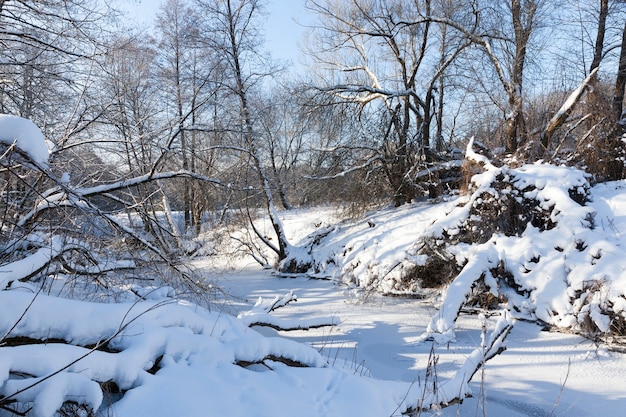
(380, 57)
(234, 36)
(286, 128)
(504, 32)
(46, 50)
(592, 122)
(188, 74)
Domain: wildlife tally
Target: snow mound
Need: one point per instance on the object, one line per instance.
(50, 359)
(537, 238)
(132, 359)
(26, 136)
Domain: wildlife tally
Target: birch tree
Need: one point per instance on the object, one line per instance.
(235, 37)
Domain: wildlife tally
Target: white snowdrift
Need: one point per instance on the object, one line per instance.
(135, 337)
(183, 338)
(54, 351)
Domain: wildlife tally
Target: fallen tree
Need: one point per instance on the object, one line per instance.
(108, 358)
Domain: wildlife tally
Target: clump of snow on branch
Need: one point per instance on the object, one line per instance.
(26, 136)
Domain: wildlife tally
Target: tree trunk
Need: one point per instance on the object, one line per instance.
(513, 127)
(251, 142)
(599, 47)
(514, 133)
(620, 83)
(280, 187)
(183, 144)
(440, 110)
(593, 98)
(398, 156)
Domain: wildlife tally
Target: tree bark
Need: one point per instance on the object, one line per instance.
(282, 249)
(599, 46)
(620, 83)
(593, 98)
(514, 132)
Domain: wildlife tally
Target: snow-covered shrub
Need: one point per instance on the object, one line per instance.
(552, 264)
(437, 268)
(533, 238)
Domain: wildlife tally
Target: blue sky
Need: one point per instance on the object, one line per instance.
(282, 32)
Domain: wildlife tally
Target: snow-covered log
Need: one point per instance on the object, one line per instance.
(49, 359)
(259, 315)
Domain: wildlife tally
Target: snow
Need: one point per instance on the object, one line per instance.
(26, 136)
(372, 363)
(198, 349)
(442, 324)
(353, 351)
(568, 271)
(381, 337)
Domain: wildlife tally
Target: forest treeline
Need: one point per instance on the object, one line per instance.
(193, 116)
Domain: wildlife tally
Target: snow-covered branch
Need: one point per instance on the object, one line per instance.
(135, 181)
(441, 326)
(55, 250)
(64, 195)
(31, 265)
(364, 94)
(25, 137)
(457, 388)
(365, 164)
(566, 109)
(259, 315)
(472, 155)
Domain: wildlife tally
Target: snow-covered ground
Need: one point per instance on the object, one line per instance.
(540, 374)
(159, 356)
(375, 362)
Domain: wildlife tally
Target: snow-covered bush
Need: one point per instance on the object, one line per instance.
(528, 237)
(537, 238)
